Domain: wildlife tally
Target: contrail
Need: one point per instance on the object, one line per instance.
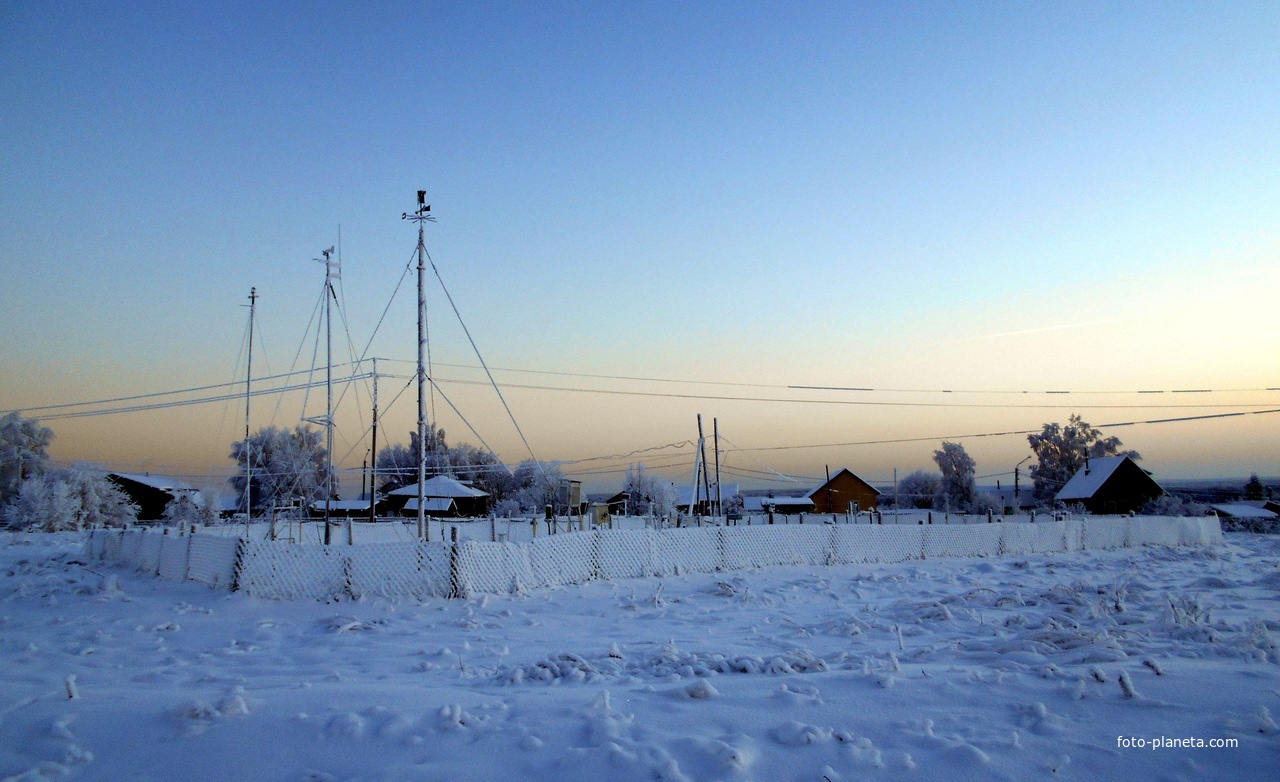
(1063, 327)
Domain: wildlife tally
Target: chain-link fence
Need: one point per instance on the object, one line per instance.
(418, 569)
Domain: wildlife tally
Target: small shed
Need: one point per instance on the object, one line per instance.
(840, 490)
(151, 493)
(1110, 484)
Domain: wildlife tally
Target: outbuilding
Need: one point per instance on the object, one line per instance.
(1110, 484)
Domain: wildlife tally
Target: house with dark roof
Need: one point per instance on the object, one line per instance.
(151, 493)
(843, 491)
(1110, 484)
(442, 496)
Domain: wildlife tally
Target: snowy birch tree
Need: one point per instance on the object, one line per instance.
(958, 489)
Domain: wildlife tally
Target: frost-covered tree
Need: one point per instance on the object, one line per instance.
(398, 463)
(1254, 490)
(288, 466)
(958, 489)
(534, 486)
(649, 494)
(24, 445)
(1061, 451)
(62, 500)
(918, 489)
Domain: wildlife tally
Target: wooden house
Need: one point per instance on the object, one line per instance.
(1110, 484)
(844, 488)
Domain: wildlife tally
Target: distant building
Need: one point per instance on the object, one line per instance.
(442, 496)
(1111, 484)
(1245, 511)
(786, 505)
(345, 509)
(844, 488)
(151, 493)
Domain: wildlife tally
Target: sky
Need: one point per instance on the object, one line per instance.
(983, 200)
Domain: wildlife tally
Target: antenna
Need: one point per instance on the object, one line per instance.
(421, 216)
(332, 271)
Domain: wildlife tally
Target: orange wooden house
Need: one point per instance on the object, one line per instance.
(844, 488)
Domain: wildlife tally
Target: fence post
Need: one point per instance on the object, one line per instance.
(721, 550)
(595, 556)
(237, 564)
(455, 577)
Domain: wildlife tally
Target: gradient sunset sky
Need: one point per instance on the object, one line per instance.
(981, 199)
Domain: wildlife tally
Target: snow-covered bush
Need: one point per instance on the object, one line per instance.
(918, 489)
(69, 500)
(986, 502)
(184, 510)
(1169, 505)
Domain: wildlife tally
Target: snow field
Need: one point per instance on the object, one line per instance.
(1013, 668)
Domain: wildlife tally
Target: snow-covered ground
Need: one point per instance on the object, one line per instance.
(1017, 668)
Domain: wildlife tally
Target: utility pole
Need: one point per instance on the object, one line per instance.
(896, 503)
(831, 508)
(373, 475)
(702, 448)
(421, 216)
(248, 393)
(715, 434)
(1017, 490)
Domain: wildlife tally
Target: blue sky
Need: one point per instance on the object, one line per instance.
(986, 197)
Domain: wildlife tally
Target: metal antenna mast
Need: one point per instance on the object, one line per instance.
(421, 216)
(332, 271)
(248, 393)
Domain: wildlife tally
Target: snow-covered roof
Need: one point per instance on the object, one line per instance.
(1087, 480)
(761, 503)
(342, 505)
(440, 504)
(161, 482)
(1243, 510)
(439, 486)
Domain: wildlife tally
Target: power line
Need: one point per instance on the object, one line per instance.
(795, 386)
(845, 402)
(1001, 434)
